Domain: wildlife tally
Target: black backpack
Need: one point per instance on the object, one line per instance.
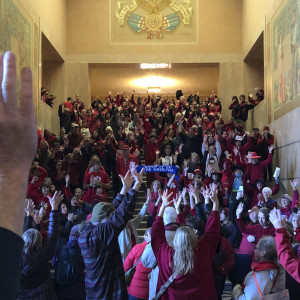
(67, 267)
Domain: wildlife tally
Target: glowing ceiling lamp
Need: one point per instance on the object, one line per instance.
(154, 90)
(155, 66)
(154, 81)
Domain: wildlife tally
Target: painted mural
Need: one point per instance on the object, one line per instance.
(20, 33)
(16, 33)
(285, 43)
(163, 21)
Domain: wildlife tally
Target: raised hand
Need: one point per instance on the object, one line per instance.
(227, 154)
(29, 207)
(235, 151)
(158, 199)
(165, 199)
(177, 202)
(214, 197)
(271, 148)
(205, 193)
(127, 182)
(56, 199)
(239, 210)
(37, 217)
(275, 218)
(71, 217)
(171, 180)
(294, 184)
(183, 194)
(34, 179)
(138, 177)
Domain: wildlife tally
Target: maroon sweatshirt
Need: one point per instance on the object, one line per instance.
(192, 286)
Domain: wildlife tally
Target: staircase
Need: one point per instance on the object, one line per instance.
(141, 198)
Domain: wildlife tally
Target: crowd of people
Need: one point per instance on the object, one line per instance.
(209, 200)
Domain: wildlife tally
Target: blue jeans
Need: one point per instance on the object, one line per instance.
(130, 297)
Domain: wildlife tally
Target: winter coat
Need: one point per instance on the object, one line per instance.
(265, 279)
(139, 286)
(286, 255)
(35, 266)
(105, 278)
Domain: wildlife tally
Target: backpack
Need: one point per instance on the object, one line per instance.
(224, 258)
(67, 267)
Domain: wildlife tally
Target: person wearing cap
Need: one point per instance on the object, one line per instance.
(105, 278)
(122, 163)
(267, 141)
(74, 137)
(288, 202)
(254, 167)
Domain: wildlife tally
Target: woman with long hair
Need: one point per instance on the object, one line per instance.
(36, 281)
(188, 257)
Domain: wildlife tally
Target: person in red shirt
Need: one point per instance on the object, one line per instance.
(254, 168)
(188, 258)
(284, 248)
(97, 172)
(257, 231)
(68, 104)
(123, 161)
(139, 285)
(152, 145)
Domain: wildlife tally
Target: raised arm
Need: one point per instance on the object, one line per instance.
(212, 229)
(284, 247)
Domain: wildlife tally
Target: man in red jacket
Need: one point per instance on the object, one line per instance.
(152, 144)
(254, 168)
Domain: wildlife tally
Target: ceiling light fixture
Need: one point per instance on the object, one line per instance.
(154, 90)
(155, 66)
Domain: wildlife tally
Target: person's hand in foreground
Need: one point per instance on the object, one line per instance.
(275, 218)
(18, 134)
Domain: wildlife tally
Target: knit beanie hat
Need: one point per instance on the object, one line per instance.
(101, 210)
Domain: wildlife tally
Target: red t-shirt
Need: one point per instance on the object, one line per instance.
(102, 174)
